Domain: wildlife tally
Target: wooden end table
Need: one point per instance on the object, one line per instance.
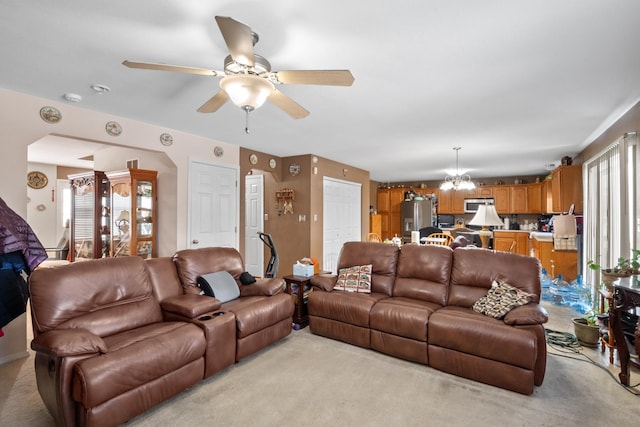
(299, 287)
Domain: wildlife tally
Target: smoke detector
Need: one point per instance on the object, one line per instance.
(100, 89)
(72, 97)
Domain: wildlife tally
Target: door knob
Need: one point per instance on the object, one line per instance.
(195, 242)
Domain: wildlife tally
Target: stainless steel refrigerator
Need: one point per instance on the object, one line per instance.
(416, 214)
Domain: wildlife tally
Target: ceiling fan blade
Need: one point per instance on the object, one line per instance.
(214, 103)
(165, 67)
(287, 104)
(316, 77)
(238, 38)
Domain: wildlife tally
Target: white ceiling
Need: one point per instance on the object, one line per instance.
(517, 84)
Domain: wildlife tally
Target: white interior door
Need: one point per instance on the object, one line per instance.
(213, 205)
(342, 202)
(254, 223)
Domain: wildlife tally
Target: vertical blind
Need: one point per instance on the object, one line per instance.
(611, 185)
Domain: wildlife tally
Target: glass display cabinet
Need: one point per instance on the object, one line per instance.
(133, 212)
(89, 235)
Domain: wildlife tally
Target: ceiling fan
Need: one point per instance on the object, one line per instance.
(247, 78)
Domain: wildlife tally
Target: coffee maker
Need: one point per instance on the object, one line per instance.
(545, 223)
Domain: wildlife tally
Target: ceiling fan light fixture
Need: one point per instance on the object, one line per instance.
(247, 91)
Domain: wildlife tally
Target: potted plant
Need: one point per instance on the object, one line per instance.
(624, 268)
(586, 329)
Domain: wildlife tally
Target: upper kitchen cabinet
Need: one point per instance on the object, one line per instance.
(566, 189)
(89, 225)
(502, 198)
(534, 198)
(389, 208)
(133, 212)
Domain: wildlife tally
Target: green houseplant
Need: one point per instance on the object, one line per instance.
(625, 267)
(586, 329)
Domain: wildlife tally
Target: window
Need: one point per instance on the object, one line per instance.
(611, 223)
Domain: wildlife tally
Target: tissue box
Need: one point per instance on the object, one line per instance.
(302, 270)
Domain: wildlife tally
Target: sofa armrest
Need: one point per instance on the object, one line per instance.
(324, 282)
(68, 342)
(529, 314)
(190, 305)
(265, 286)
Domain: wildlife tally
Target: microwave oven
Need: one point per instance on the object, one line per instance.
(471, 205)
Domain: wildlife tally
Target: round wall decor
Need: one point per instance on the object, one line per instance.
(37, 180)
(294, 169)
(113, 128)
(166, 139)
(272, 163)
(253, 159)
(50, 114)
(218, 151)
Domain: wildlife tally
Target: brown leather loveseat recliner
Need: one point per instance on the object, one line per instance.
(420, 309)
(115, 336)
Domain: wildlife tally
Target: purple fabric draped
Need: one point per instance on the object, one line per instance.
(17, 235)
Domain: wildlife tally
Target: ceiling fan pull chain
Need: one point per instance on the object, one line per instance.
(246, 120)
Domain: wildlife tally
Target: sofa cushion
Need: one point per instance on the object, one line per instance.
(474, 270)
(466, 331)
(383, 259)
(501, 299)
(404, 317)
(354, 279)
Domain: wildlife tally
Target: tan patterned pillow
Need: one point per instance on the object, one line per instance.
(501, 299)
(354, 279)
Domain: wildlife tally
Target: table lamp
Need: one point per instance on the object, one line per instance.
(486, 216)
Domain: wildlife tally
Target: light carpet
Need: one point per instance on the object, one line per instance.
(308, 380)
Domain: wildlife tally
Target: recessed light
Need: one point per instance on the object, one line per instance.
(72, 97)
(100, 89)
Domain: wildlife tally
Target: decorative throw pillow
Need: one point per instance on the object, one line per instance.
(354, 279)
(501, 299)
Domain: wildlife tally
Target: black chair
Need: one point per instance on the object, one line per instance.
(425, 232)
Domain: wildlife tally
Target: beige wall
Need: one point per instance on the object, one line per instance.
(21, 125)
(295, 239)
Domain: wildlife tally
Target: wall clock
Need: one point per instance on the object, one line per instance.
(37, 180)
(113, 128)
(294, 169)
(253, 159)
(50, 114)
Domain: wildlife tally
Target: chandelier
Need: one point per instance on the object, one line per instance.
(457, 182)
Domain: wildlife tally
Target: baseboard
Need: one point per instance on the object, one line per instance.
(14, 356)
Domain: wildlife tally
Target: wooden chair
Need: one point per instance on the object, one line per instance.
(373, 237)
(438, 239)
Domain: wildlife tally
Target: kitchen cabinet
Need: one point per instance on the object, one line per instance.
(133, 212)
(566, 189)
(502, 199)
(511, 241)
(375, 224)
(452, 201)
(89, 226)
(556, 261)
(389, 209)
(518, 199)
(534, 198)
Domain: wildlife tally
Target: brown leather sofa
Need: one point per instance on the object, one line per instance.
(114, 337)
(420, 310)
